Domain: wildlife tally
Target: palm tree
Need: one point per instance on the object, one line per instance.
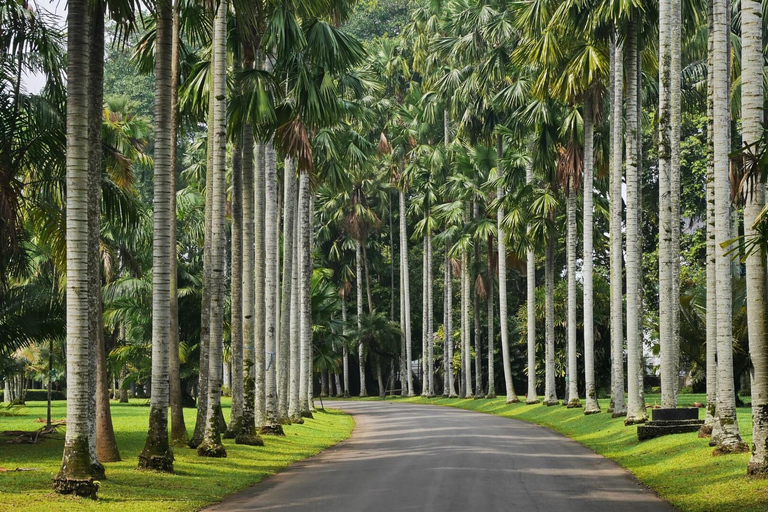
(305, 292)
(725, 433)
(211, 444)
(75, 476)
(752, 116)
(157, 452)
(530, 280)
(286, 353)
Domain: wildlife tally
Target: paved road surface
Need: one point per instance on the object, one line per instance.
(405, 457)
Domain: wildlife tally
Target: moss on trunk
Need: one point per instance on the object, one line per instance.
(157, 454)
(76, 474)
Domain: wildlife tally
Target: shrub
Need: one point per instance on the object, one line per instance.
(40, 395)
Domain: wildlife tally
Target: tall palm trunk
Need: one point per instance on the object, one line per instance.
(424, 315)
(617, 303)
(489, 298)
(270, 281)
(260, 295)
(573, 388)
(466, 356)
(248, 435)
(286, 355)
(406, 287)
(430, 376)
(726, 430)
(360, 347)
(503, 314)
(592, 406)
(236, 291)
(711, 315)
(752, 116)
(211, 445)
(294, 412)
(179, 435)
(476, 316)
(106, 445)
(305, 294)
(550, 392)
(675, 31)
(530, 281)
(157, 452)
(449, 326)
(446, 314)
(635, 405)
(345, 350)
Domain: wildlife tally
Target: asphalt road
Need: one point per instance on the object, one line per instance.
(427, 458)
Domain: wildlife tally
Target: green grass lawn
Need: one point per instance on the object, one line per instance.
(680, 468)
(197, 482)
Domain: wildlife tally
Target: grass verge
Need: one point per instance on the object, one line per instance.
(197, 482)
(680, 468)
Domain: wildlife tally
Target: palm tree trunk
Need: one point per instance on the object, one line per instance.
(260, 295)
(106, 445)
(294, 411)
(157, 453)
(430, 377)
(711, 315)
(617, 301)
(675, 79)
(466, 356)
(752, 116)
(345, 350)
(489, 298)
(289, 216)
(572, 377)
(305, 294)
(404, 370)
(592, 405)
(211, 445)
(270, 282)
(360, 347)
(503, 318)
(424, 316)
(726, 431)
(635, 406)
(236, 291)
(476, 316)
(550, 392)
(530, 264)
(179, 436)
(248, 434)
(406, 287)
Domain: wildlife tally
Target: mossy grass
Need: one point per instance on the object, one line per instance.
(196, 483)
(680, 468)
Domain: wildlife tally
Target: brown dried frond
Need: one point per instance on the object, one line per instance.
(570, 165)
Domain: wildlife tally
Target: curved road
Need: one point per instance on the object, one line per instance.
(421, 457)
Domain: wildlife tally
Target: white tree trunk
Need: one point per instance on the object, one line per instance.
(430, 376)
(530, 266)
(286, 354)
(360, 347)
(294, 410)
(573, 380)
(345, 350)
(726, 431)
(260, 298)
(550, 392)
(592, 406)
(617, 302)
(305, 294)
(406, 288)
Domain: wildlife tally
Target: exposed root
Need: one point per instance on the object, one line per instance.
(249, 440)
(729, 449)
(272, 430)
(83, 487)
(209, 449)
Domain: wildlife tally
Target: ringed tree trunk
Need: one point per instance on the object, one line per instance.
(491, 370)
(294, 412)
(305, 293)
(236, 292)
(449, 326)
(430, 376)
(106, 445)
(572, 378)
(617, 300)
(360, 347)
(286, 353)
(260, 274)
(726, 435)
(424, 317)
(345, 350)
(503, 314)
(592, 405)
(466, 357)
(550, 392)
(157, 453)
(211, 445)
(711, 315)
(530, 264)
(476, 315)
(248, 435)
(406, 289)
(179, 436)
(635, 404)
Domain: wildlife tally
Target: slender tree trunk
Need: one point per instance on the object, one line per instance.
(726, 431)
(271, 275)
(466, 356)
(489, 298)
(345, 350)
(572, 377)
(592, 405)
(157, 453)
(449, 325)
(424, 316)
(711, 315)
(617, 303)
(530, 264)
(675, 31)
(260, 295)
(289, 216)
(294, 411)
(635, 405)
(179, 436)
(211, 445)
(236, 291)
(476, 316)
(406, 288)
(503, 314)
(106, 445)
(550, 392)
(305, 296)
(360, 347)
(430, 376)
